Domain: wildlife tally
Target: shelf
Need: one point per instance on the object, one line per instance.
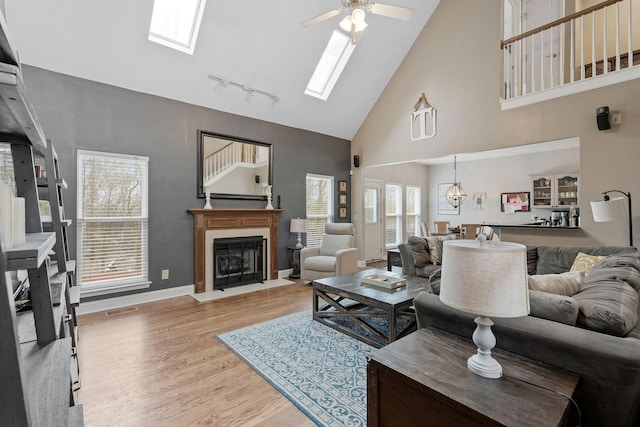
(74, 296)
(60, 182)
(26, 322)
(18, 123)
(33, 253)
(48, 225)
(48, 381)
(76, 416)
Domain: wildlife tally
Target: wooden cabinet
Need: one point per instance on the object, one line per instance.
(37, 351)
(423, 379)
(555, 190)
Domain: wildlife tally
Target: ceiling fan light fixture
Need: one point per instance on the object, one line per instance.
(356, 20)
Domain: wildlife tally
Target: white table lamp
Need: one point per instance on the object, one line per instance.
(298, 226)
(488, 280)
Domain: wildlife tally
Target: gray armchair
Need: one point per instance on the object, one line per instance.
(335, 257)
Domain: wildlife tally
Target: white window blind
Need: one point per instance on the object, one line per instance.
(393, 218)
(319, 207)
(112, 220)
(413, 211)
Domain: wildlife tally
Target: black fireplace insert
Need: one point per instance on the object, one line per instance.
(239, 261)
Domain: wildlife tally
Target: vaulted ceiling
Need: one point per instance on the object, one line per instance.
(259, 43)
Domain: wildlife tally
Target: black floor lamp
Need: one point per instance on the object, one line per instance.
(609, 209)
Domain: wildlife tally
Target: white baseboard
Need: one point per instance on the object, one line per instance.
(127, 300)
(143, 297)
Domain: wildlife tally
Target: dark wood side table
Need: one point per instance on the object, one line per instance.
(294, 261)
(393, 258)
(422, 379)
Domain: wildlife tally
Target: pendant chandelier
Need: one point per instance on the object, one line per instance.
(455, 195)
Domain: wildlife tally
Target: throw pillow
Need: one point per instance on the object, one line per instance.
(558, 308)
(435, 247)
(560, 284)
(418, 249)
(609, 306)
(584, 262)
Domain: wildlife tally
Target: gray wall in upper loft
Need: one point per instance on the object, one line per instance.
(81, 114)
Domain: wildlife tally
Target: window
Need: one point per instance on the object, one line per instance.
(393, 223)
(175, 23)
(333, 60)
(413, 211)
(319, 207)
(112, 221)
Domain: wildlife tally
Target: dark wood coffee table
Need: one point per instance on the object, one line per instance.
(354, 308)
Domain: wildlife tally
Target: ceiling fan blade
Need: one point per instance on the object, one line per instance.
(391, 11)
(321, 18)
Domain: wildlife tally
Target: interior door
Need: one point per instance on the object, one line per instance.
(373, 210)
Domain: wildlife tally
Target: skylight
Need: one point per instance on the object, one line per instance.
(175, 23)
(328, 70)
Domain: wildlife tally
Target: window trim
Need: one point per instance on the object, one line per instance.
(121, 284)
(167, 41)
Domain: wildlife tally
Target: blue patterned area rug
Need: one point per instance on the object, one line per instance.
(322, 371)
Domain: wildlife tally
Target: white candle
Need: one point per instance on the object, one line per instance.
(18, 221)
(6, 211)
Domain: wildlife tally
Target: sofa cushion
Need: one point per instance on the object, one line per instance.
(584, 262)
(560, 284)
(419, 249)
(558, 308)
(532, 259)
(435, 247)
(607, 303)
(321, 263)
(332, 243)
(621, 260)
(556, 259)
(621, 273)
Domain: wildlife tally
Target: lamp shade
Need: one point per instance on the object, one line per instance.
(485, 279)
(608, 210)
(298, 225)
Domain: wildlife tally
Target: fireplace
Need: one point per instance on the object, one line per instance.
(239, 261)
(213, 224)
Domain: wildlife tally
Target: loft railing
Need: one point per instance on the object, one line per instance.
(582, 46)
(230, 156)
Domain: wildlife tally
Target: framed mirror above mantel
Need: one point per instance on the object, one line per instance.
(233, 168)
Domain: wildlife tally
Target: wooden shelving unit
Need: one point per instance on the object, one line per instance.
(37, 356)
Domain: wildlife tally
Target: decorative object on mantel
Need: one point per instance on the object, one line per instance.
(298, 226)
(486, 280)
(608, 209)
(423, 120)
(455, 195)
(207, 204)
(250, 90)
(267, 191)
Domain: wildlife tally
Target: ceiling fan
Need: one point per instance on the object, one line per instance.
(354, 23)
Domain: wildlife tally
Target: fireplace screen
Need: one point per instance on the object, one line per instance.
(239, 261)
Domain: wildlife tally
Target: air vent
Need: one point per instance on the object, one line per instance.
(122, 310)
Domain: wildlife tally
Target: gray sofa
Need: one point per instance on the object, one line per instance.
(609, 390)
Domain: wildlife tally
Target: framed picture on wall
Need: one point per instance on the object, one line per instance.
(444, 208)
(342, 200)
(342, 186)
(343, 213)
(514, 202)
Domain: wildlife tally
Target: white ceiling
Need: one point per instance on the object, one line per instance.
(260, 43)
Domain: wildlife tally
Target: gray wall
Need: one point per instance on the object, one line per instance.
(81, 114)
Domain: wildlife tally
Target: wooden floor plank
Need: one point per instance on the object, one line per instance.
(161, 365)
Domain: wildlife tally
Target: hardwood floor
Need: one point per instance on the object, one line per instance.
(161, 365)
